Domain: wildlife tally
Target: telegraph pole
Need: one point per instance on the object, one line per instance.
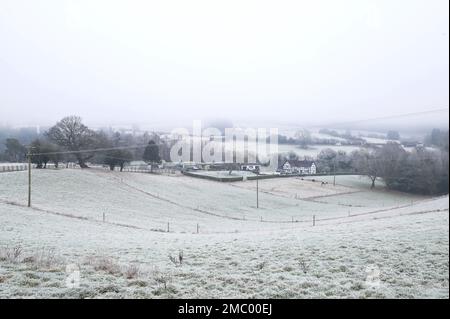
(257, 192)
(334, 173)
(29, 178)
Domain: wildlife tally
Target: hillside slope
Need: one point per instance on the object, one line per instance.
(408, 247)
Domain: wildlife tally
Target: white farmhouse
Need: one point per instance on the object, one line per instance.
(299, 167)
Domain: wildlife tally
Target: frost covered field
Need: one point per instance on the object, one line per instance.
(364, 244)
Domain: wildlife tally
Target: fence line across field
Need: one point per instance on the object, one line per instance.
(167, 227)
(312, 220)
(137, 169)
(13, 168)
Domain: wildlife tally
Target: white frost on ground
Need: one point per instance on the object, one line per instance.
(126, 257)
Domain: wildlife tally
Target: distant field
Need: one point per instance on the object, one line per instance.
(239, 250)
(312, 150)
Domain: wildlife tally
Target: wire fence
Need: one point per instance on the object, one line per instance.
(13, 167)
(203, 228)
(135, 169)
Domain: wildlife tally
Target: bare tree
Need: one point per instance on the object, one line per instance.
(71, 134)
(15, 151)
(151, 154)
(389, 161)
(367, 163)
(44, 152)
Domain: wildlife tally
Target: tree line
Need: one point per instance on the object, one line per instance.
(71, 140)
(421, 171)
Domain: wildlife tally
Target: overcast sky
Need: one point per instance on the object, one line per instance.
(118, 62)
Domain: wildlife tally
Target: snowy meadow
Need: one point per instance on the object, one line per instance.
(99, 234)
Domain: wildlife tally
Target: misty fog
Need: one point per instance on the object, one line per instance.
(164, 64)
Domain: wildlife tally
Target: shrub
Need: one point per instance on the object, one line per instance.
(11, 254)
(131, 271)
(177, 261)
(105, 264)
(162, 278)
